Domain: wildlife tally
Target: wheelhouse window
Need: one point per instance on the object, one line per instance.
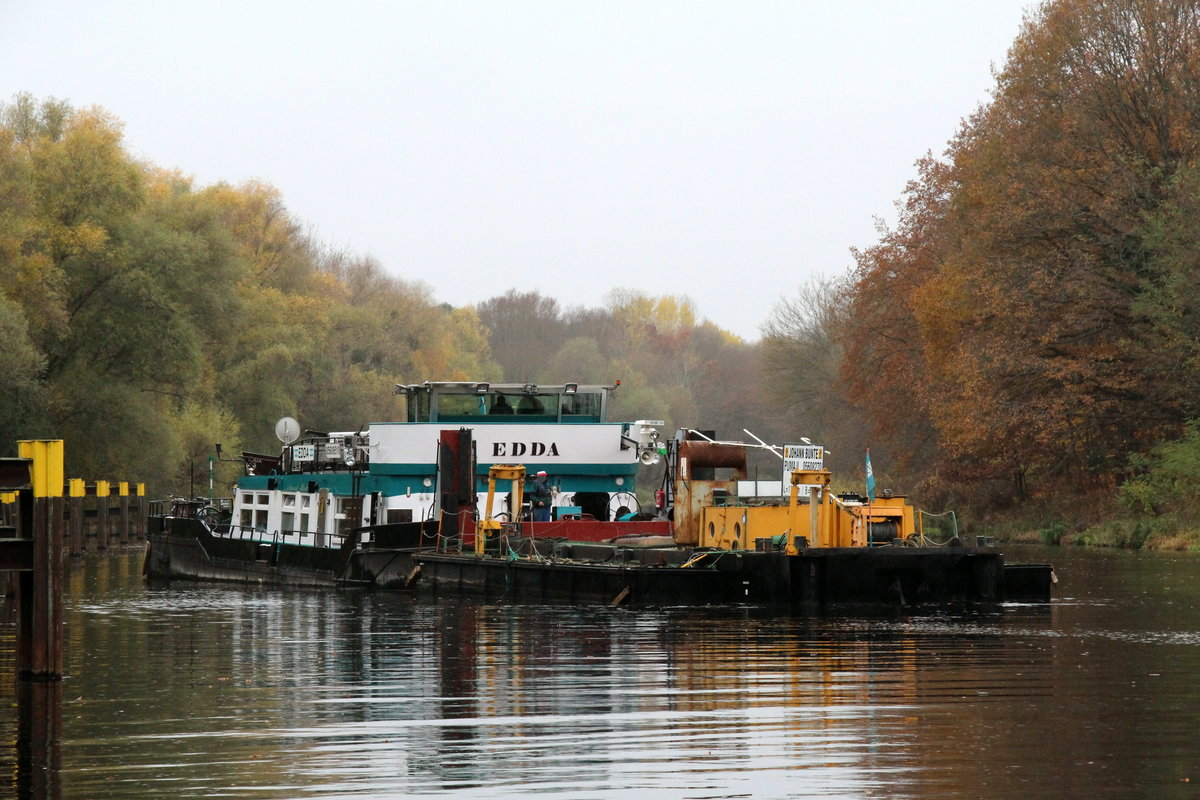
(581, 407)
(418, 407)
(487, 402)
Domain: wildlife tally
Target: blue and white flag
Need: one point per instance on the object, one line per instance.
(870, 479)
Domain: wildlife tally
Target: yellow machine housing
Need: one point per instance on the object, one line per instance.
(822, 519)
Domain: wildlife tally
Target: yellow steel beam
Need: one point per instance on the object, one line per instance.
(46, 471)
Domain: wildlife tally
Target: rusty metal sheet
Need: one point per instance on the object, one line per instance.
(710, 454)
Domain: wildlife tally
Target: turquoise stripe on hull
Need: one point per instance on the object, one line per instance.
(393, 485)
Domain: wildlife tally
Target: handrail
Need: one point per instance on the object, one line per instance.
(923, 514)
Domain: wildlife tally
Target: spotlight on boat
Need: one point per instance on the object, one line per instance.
(530, 388)
(482, 388)
(571, 388)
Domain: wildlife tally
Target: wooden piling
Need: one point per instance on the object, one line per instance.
(77, 491)
(40, 589)
(143, 515)
(124, 535)
(102, 491)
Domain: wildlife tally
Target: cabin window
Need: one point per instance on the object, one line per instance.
(260, 520)
(461, 405)
(395, 515)
(305, 501)
(532, 404)
(305, 520)
(247, 518)
(288, 522)
(581, 407)
(289, 501)
(247, 499)
(418, 407)
(264, 499)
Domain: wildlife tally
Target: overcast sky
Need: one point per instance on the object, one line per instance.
(726, 151)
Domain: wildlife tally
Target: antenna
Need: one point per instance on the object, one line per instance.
(287, 429)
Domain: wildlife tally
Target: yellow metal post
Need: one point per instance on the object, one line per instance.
(817, 481)
(793, 518)
(814, 510)
(503, 472)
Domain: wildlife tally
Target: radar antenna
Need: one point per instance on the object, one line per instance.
(287, 429)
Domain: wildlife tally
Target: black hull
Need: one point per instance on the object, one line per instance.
(887, 576)
(555, 571)
(184, 549)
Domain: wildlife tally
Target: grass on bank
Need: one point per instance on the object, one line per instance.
(1154, 509)
(1123, 530)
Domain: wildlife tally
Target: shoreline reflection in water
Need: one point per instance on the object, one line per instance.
(212, 691)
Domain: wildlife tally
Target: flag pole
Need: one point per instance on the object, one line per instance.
(870, 496)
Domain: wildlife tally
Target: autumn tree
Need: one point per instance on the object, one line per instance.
(524, 331)
(1007, 300)
(146, 319)
(802, 358)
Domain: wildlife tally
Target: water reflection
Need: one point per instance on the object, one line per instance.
(200, 691)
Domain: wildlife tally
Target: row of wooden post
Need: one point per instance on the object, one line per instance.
(38, 529)
(95, 516)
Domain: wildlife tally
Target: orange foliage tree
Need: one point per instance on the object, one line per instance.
(1010, 306)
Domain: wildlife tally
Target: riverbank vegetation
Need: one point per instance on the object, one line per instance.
(146, 319)
(1025, 339)
(1023, 344)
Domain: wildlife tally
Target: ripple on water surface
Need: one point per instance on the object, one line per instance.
(201, 691)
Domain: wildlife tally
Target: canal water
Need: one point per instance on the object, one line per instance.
(200, 691)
